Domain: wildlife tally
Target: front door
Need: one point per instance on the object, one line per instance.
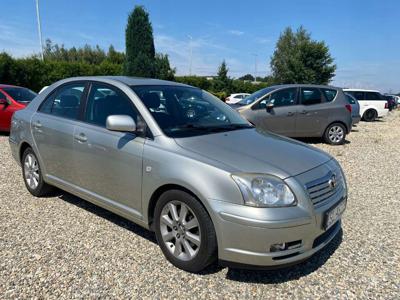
(277, 112)
(109, 163)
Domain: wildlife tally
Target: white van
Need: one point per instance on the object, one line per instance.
(372, 103)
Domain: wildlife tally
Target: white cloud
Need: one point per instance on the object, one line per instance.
(235, 32)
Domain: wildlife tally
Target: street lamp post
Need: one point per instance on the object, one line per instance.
(191, 54)
(39, 29)
(255, 66)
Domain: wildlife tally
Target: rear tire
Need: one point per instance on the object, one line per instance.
(370, 115)
(335, 134)
(184, 231)
(32, 174)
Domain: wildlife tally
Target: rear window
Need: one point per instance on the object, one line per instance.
(350, 99)
(20, 94)
(357, 94)
(373, 96)
(329, 94)
(310, 96)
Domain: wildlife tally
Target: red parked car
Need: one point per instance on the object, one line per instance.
(12, 98)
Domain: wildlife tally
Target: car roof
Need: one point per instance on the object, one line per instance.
(131, 81)
(9, 85)
(279, 86)
(360, 90)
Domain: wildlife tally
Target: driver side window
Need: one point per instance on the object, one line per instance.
(280, 98)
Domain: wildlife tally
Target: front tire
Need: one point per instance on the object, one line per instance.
(335, 134)
(370, 115)
(184, 231)
(32, 174)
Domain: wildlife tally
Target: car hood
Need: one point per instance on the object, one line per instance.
(256, 151)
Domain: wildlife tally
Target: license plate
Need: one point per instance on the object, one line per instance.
(334, 214)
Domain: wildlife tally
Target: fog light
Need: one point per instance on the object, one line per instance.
(278, 247)
(285, 246)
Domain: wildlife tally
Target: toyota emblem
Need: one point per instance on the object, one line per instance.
(332, 182)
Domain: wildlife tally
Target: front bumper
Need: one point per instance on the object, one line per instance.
(246, 241)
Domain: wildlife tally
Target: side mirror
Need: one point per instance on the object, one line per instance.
(3, 101)
(122, 123)
(269, 106)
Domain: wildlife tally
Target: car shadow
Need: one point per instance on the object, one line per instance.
(120, 221)
(312, 140)
(254, 276)
(108, 215)
(288, 273)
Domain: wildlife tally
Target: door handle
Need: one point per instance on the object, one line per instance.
(303, 112)
(81, 137)
(290, 113)
(37, 124)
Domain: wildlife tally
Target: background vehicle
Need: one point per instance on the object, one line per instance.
(206, 181)
(234, 98)
(372, 103)
(300, 111)
(355, 108)
(12, 98)
(391, 101)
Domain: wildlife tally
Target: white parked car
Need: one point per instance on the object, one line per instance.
(235, 98)
(372, 103)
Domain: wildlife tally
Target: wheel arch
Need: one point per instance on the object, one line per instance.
(161, 190)
(22, 148)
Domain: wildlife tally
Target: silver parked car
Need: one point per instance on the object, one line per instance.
(176, 160)
(298, 110)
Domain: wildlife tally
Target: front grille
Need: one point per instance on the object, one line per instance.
(323, 188)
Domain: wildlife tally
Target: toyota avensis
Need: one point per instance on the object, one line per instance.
(176, 160)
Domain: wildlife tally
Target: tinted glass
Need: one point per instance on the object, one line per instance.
(20, 94)
(104, 101)
(186, 111)
(310, 96)
(256, 95)
(64, 102)
(283, 97)
(329, 94)
(350, 99)
(373, 96)
(357, 94)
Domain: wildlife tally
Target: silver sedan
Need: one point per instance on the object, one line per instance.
(176, 160)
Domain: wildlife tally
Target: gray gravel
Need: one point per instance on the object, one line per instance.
(64, 247)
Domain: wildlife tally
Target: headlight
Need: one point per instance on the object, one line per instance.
(264, 191)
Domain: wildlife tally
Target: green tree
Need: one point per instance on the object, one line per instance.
(140, 52)
(163, 68)
(222, 83)
(248, 77)
(299, 59)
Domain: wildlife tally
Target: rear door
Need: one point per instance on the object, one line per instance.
(281, 117)
(53, 127)
(311, 112)
(6, 112)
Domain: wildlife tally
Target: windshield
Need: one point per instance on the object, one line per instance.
(185, 111)
(20, 94)
(255, 96)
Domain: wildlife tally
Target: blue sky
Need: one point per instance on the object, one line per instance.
(363, 36)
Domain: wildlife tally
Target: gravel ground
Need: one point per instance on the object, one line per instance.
(64, 247)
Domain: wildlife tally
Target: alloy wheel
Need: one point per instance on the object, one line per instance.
(180, 230)
(336, 134)
(31, 171)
